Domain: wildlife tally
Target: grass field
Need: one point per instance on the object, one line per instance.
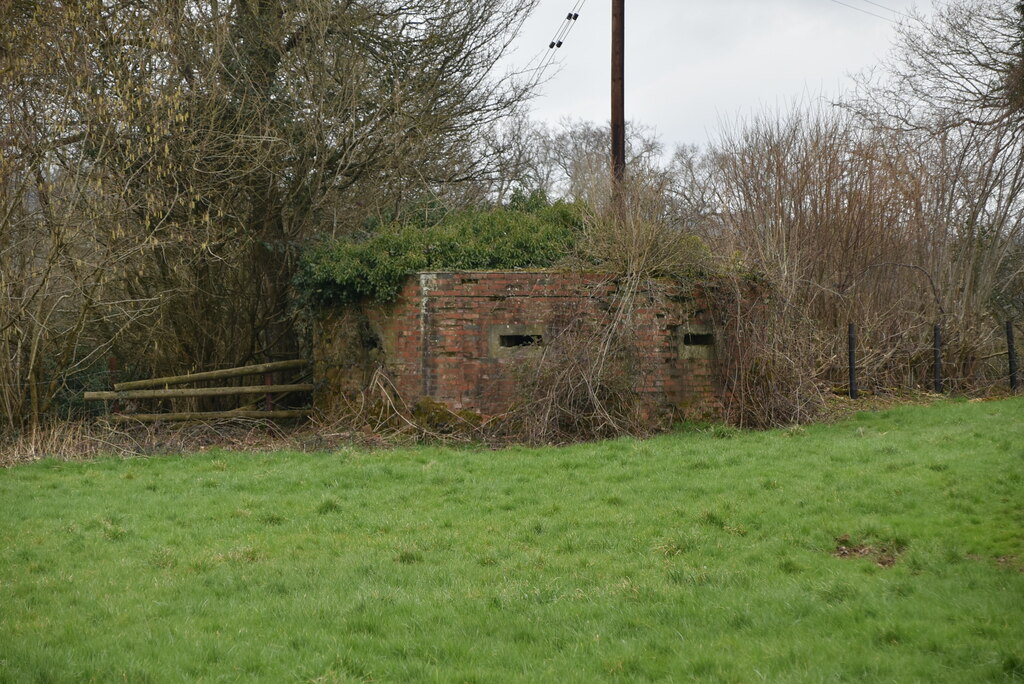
(889, 547)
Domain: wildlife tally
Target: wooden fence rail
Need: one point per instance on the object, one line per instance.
(141, 389)
(197, 392)
(207, 415)
(293, 364)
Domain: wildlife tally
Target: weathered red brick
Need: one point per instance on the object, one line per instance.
(442, 336)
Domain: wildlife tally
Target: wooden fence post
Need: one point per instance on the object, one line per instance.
(115, 406)
(851, 345)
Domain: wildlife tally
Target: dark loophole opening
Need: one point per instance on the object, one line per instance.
(519, 340)
(697, 339)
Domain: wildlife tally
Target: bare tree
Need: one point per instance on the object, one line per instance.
(571, 160)
(959, 67)
(196, 145)
(953, 87)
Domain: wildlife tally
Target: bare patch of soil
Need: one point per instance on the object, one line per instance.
(882, 555)
(1009, 562)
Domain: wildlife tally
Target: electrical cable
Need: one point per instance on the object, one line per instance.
(860, 9)
(564, 29)
(573, 14)
(896, 12)
(559, 38)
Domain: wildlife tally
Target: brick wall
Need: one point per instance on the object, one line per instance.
(456, 337)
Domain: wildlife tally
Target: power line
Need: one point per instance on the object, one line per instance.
(560, 35)
(564, 29)
(861, 9)
(566, 26)
(866, 11)
(885, 7)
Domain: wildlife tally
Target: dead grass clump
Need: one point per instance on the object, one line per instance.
(378, 415)
(75, 441)
(633, 231)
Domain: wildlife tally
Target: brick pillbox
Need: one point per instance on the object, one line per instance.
(453, 337)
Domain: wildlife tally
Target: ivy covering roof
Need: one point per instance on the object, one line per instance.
(342, 271)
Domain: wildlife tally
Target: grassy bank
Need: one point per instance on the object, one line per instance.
(887, 547)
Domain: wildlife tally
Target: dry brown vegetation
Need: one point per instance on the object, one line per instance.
(897, 209)
(163, 165)
(582, 386)
(869, 227)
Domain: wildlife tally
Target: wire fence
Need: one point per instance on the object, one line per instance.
(940, 380)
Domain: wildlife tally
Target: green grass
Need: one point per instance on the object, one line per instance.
(691, 556)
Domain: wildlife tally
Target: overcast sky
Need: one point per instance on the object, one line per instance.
(691, 64)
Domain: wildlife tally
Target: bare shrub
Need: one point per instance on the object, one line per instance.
(584, 383)
(162, 164)
(891, 231)
(767, 357)
(581, 387)
(379, 414)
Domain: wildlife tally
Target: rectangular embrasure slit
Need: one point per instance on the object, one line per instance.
(519, 340)
(698, 339)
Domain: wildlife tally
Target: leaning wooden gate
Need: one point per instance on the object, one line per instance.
(160, 388)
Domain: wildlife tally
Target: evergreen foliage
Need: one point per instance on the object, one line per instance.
(525, 234)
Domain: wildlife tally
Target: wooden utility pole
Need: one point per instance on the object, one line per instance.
(618, 94)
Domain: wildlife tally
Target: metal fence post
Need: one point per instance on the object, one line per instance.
(851, 344)
(1012, 351)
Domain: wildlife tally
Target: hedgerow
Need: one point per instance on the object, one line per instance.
(346, 270)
